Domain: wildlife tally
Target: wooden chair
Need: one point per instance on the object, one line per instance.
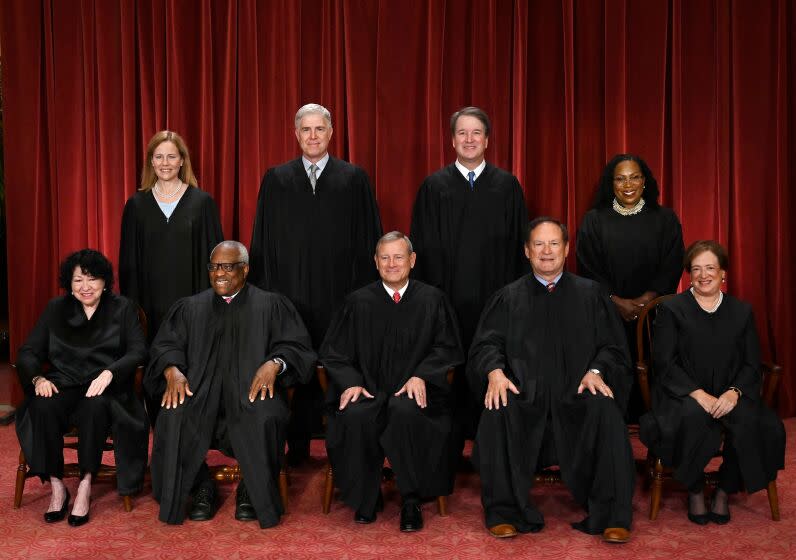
(442, 501)
(72, 470)
(656, 471)
(231, 472)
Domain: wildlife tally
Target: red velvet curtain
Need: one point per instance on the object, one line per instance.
(702, 89)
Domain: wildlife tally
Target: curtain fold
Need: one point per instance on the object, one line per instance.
(703, 90)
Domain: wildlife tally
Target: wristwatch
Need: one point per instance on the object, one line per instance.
(595, 372)
(281, 362)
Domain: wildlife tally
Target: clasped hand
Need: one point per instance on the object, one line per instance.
(716, 407)
(630, 308)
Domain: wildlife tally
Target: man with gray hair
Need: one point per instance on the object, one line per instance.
(222, 361)
(387, 353)
(316, 225)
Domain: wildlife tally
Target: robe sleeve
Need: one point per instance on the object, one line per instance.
(128, 253)
(589, 252)
(488, 349)
(748, 378)
(258, 248)
(214, 233)
(336, 352)
(612, 356)
(366, 231)
(445, 352)
(168, 348)
(135, 353)
(520, 221)
(291, 342)
(671, 259)
(33, 353)
(665, 356)
(424, 233)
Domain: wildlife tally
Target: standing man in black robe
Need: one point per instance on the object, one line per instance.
(387, 353)
(467, 225)
(223, 360)
(316, 225)
(551, 363)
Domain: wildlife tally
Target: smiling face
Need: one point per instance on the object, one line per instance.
(166, 161)
(227, 283)
(313, 134)
(470, 141)
(546, 250)
(394, 262)
(628, 183)
(706, 274)
(86, 288)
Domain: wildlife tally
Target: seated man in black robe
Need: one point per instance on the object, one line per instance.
(387, 352)
(223, 360)
(550, 360)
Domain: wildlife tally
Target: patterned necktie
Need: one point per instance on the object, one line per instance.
(396, 297)
(551, 287)
(471, 178)
(228, 299)
(313, 176)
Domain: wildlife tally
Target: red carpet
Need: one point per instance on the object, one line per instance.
(306, 533)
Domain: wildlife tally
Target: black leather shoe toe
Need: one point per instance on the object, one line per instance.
(411, 518)
(204, 505)
(54, 516)
(244, 509)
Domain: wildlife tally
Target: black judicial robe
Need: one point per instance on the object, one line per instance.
(630, 255)
(78, 350)
(469, 242)
(315, 248)
(162, 260)
(545, 343)
(378, 344)
(219, 347)
(693, 350)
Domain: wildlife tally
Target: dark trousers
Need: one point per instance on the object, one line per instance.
(52, 417)
(416, 441)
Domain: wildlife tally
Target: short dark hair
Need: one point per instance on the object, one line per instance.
(90, 262)
(532, 225)
(699, 247)
(479, 114)
(604, 194)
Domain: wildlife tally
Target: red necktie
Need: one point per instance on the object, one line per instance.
(228, 299)
(551, 286)
(396, 297)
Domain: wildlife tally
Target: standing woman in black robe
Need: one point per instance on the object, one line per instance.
(707, 363)
(630, 245)
(93, 342)
(169, 228)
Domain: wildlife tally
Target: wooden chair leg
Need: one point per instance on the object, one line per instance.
(442, 506)
(128, 504)
(283, 487)
(328, 490)
(22, 472)
(773, 500)
(656, 490)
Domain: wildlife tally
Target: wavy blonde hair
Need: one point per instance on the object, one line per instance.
(148, 176)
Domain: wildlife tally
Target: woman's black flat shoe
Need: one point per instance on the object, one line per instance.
(55, 516)
(719, 519)
(699, 519)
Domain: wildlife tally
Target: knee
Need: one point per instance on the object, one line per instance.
(403, 408)
(95, 406)
(44, 407)
(692, 412)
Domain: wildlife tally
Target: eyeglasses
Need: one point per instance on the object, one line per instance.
(227, 267)
(635, 179)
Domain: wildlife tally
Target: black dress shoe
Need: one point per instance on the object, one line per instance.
(244, 510)
(53, 516)
(204, 504)
(411, 517)
(77, 520)
(367, 519)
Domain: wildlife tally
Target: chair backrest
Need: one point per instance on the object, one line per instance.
(644, 327)
(771, 371)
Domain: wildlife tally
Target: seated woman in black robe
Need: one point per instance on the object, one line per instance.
(93, 342)
(707, 382)
(630, 245)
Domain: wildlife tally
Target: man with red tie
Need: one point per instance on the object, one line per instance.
(550, 363)
(387, 353)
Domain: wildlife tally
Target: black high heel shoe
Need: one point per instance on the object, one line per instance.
(719, 518)
(55, 516)
(78, 520)
(698, 518)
